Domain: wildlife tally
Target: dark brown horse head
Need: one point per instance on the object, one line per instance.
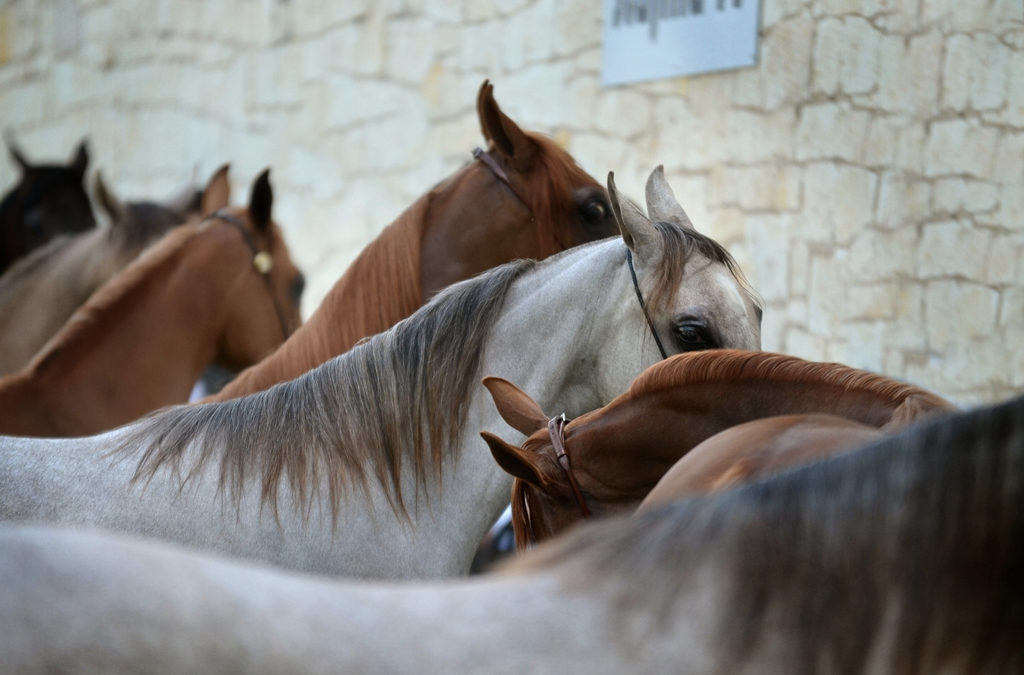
(525, 197)
(242, 344)
(49, 199)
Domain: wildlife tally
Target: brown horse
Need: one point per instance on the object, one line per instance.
(48, 200)
(222, 290)
(42, 289)
(524, 198)
(613, 456)
(757, 448)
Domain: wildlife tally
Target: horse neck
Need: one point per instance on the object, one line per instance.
(165, 324)
(36, 304)
(298, 624)
(379, 289)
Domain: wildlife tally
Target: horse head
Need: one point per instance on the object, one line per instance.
(48, 200)
(272, 287)
(523, 190)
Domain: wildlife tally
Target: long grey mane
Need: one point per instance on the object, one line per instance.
(355, 415)
(930, 521)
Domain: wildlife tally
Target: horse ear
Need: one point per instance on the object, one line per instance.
(514, 460)
(260, 201)
(217, 193)
(661, 201)
(108, 202)
(520, 411)
(504, 134)
(16, 155)
(637, 229)
(81, 158)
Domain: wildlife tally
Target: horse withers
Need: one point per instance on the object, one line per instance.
(369, 464)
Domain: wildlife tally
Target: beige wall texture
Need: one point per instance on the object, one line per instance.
(868, 173)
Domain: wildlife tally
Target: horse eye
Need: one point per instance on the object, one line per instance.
(594, 211)
(298, 286)
(693, 337)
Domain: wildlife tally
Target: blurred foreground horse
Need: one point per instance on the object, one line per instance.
(904, 556)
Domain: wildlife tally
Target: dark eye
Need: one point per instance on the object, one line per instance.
(693, 336)
(594, 211)
(298, 285)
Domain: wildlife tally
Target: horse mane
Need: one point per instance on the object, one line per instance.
(88, 324)
(733, 365)
(385, 387)
(354, 308)
(926, 522)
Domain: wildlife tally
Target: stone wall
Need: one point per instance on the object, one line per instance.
(868, 173)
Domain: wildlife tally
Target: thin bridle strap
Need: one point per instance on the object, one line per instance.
(556, 428)
(262, 261)
(643, 305)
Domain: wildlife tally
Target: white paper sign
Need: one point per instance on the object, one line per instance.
(648, 39)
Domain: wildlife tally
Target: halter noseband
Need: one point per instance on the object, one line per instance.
(262, 261)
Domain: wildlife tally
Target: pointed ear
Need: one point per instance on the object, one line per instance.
(81, 158)
(661, 201)
(637, 230)
(514, 460)
(217, 193)
(260, 202)
(108, 202)
(504, 134)
(16, 155)
(520, 411)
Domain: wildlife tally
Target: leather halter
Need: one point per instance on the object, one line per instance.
(262, 261)
(487, 160)
(556, 429)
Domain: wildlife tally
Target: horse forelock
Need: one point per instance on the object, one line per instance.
(679, 245)
(922, 528)
(728, 365)
(398, 397)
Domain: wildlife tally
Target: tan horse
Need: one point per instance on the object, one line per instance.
(616, 454)
(756, 449)
(221, 290)
(41, 290)
(901, 557)
(523, 198)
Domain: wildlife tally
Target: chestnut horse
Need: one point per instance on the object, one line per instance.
(616, 454)
(757, 448)
(49, 199)
(217, 290)
(370, 465)
(523, 198)
(904, 556)
(41, 290)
